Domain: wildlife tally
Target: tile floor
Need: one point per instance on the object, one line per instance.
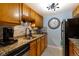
(53, 51)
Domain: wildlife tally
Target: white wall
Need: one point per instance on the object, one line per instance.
(54, 36)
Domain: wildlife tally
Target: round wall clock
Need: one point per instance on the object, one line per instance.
(54, 23)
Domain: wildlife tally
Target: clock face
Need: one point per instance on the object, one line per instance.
(54, 23)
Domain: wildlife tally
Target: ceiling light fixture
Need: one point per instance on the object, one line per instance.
(53, 6)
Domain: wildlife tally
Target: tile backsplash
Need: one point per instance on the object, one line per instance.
(19, 30)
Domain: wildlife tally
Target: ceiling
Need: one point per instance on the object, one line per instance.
(42, 10)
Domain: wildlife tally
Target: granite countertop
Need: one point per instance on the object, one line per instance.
(21, 41)
(75, 41)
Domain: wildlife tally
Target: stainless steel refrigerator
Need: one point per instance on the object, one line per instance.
(63, 35)
(69, 29)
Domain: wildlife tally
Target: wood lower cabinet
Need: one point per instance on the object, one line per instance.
(45, 37)
(38, 46)
(73, 50)
(42, 44)
(32, 51)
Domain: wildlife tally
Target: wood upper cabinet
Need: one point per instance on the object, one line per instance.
(10, 13)
(38, 21)
(76, 12)
(41, 21)
(26, 12)
(13, 13)
(32, 15)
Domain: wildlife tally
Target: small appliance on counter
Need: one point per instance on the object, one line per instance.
(7, 36)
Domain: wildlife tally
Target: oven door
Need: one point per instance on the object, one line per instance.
(26, 54)
(21, 51)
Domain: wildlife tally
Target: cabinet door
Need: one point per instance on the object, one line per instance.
(33, 14)
(32, 51)
(26, 12)
(10, 12)
(42, 44)
(43, 41)
(45, 37)
(38, 47)
(76, 12)
(1, 10)
(38, 21)
(71, 51)
(75, 50)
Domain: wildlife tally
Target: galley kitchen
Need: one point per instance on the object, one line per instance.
(35, 29)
